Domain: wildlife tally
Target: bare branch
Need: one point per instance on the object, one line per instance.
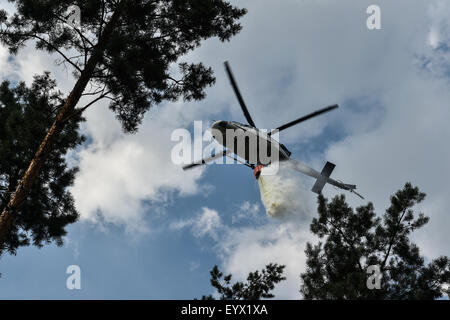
(81, 110)
(56, 49)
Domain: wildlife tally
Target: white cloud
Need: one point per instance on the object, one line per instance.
(245, 250)
(4, 61)
(247, 211)
(193, 266)
(120, 173)
(206, 223)
(433, 38)
(437, 60)
(252, 208)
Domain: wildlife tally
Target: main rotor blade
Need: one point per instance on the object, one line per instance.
(309, 116)
(206, 160)
(238, 95)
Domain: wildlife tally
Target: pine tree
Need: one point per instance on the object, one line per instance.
(355, 240)
(127, 51)
(258, 285)
(25, 115)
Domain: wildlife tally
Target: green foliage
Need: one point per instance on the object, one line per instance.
(139, 65)
(25, 116)
(357, 239)
(258, 285)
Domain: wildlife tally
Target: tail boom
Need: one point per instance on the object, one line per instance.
(323, 177)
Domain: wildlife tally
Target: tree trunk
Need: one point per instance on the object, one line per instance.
(23, 188)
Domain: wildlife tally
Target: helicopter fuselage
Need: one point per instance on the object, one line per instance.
(254, 145)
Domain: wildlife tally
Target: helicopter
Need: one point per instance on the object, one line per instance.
(249, 132)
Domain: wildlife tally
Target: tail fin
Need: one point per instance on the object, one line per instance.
(322, 179)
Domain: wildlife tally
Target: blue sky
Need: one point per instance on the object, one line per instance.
(148, 230)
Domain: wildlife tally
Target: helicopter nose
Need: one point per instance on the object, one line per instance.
(219, 124)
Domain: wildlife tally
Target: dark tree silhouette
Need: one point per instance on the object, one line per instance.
(125, 51)
(25, 115)
(259, 284)
(357, 239)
